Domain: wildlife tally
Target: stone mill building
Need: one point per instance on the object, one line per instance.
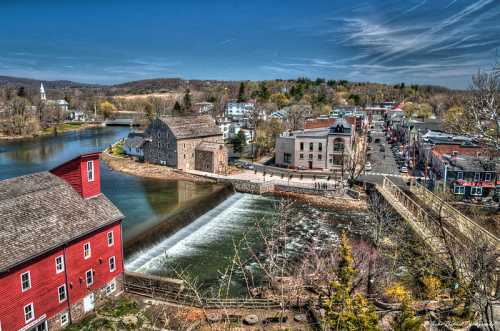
(186, 143)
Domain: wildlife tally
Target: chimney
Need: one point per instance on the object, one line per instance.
(82, 173)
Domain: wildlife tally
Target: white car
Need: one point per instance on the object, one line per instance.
(368, 166)
(404, 170)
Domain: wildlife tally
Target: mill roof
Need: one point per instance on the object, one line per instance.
(40, 212)
(185, 127)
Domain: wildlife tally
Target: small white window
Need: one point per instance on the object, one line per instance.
(460, 175)
(64, 319)
(86, 250)
(487, 176)
(59, 264)
(110, 288)
(61, 292)
(476, 191)
(112, 264)
(89, 277)
(29, 313)
(111, 239)
(90, 171)
(25, 281)
(459, 190)
(477, 176)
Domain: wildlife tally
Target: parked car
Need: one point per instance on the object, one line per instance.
(368, 166)
(377, 140)
(404, 170)
(382, 149)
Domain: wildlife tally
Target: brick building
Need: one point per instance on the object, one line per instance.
(173, 141)
(60, 239)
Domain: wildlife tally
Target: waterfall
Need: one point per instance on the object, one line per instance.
(226, 218)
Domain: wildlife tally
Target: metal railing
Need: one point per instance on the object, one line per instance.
(454, 217)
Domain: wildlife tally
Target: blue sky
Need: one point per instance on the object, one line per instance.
(108, 41)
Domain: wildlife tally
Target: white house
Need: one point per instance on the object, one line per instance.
(203, 107)
(239, 109)
(224, 124)
(133, 145)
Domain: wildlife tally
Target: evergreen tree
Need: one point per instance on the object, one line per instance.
(344, 310)
(177, 110)
(264, 94)
(21, 92)
(241, 93)
(406, 320)
(187, 103)
(239, 142)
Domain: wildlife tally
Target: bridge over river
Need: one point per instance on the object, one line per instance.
(435, 221)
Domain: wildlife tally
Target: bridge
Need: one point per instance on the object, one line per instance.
(120, 122)
(435, 221)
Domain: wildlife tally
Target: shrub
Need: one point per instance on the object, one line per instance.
(397, 293)
(432, 286)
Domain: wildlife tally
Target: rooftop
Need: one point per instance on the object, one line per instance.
(40, 212)
(185, 127)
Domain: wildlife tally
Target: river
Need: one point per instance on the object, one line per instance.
(202, 245)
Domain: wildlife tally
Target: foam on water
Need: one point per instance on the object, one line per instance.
(224, 218)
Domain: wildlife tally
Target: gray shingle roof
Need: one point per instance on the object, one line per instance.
(184, 127)
(40, 212)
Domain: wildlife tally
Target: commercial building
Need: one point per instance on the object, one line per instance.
(320, 148)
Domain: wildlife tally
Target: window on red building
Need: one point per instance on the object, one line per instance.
(25, 281)
(90, 171)
(89, 277)
(29, 313)
(86, 250)
(112, 264)
(59, 264)
(111, 240)
(61, 291)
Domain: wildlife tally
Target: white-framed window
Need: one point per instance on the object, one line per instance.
(111, 239)
(90, 171)
(110, 288)
(89, 277)
(112, 264)
(459, 189)
(460, 175)
(487, 176)
(86, 250)
(476, 190)
(64, 319)
(477, 176)
(61, 293)
(29, 313)
(59, 264)
(25, 281)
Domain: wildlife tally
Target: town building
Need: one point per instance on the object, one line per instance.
(61, 104)
(320, 148)
(134, 145)
(61, 246)
(172, 141)
(203, 107)
(224, 125)
(236, 109)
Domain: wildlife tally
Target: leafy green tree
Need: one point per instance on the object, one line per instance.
(107, 109)
(406, 320)
(424, 110)
(241, 94)
(345, 310)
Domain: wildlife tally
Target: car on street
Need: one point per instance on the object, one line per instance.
(368, 166)
(382, 149)
(377, 140)
(404, 170)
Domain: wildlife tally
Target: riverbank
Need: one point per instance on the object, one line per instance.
(342, 204)
(53, 131)
(146, 170)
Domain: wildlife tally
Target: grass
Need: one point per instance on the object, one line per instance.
(117, 149)
(62, 128)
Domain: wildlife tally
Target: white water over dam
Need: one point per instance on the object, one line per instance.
(220, 223)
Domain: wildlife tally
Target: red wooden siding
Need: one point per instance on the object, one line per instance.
(98, 262)
(75, 173)
(43, 292)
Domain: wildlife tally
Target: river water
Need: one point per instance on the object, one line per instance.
(203, 245)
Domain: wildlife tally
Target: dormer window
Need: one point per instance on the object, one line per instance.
(90, 171)
(460, 175)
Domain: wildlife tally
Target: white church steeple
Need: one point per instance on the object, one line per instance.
(43, 96)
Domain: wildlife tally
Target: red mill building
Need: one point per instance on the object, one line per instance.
(60, 244)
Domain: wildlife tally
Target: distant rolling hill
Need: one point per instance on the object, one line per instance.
(35, 83)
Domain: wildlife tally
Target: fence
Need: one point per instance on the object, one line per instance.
(174, 291)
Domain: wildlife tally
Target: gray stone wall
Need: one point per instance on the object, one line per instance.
(162, 147)
(204, 161)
